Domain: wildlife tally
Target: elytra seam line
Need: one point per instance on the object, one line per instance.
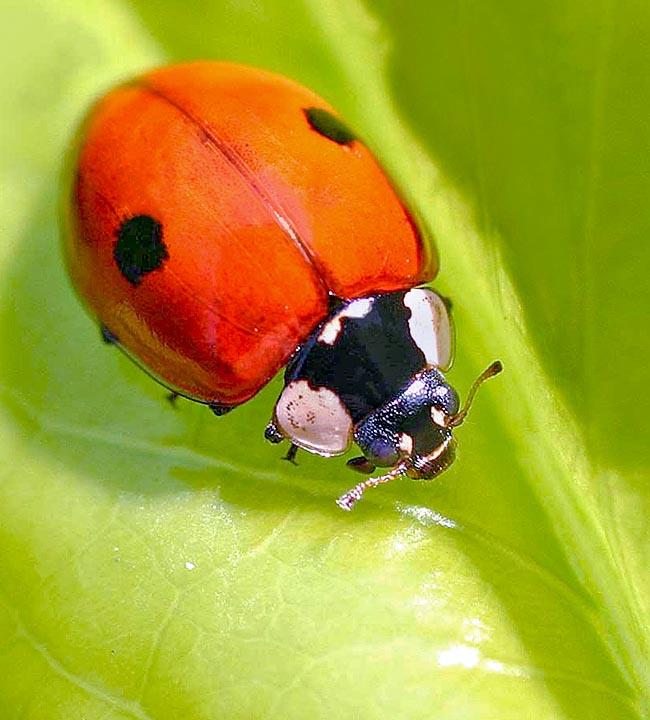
(279, 215)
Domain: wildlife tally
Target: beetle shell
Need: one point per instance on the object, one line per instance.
(214, 211)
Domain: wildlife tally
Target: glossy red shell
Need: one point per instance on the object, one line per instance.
(262, 217)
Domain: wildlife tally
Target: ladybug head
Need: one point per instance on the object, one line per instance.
(412, 433)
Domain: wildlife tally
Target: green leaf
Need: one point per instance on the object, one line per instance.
(159, 563)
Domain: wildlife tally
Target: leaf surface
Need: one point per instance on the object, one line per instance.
(160, 563)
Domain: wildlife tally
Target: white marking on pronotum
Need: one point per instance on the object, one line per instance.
(334, 326)
(430, 326)
(314, 419)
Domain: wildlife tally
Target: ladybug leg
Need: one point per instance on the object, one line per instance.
(361, 465)
(172, 397)
(220, 410)
(272, 434)
(291, 454)
(107, 336)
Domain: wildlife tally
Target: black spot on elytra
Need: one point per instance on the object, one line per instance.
(139, 248)
(328, 125)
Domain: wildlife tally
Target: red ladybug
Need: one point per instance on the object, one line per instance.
(224, 221)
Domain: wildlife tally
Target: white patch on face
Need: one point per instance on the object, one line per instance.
(430, 327)
(405, 445)
(439, 417)
(314, 419)
(332, 329)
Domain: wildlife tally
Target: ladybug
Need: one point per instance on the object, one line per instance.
(223, 222)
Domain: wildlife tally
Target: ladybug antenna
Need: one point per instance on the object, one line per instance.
(349, 499)
(490, 372)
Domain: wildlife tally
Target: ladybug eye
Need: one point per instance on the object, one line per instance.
(383, 451)
(329, 126)
(139, 248)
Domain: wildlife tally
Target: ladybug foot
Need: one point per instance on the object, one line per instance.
(107, 336)
(291, 455)
(272, 434)
(361, 465)
(220, 410)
